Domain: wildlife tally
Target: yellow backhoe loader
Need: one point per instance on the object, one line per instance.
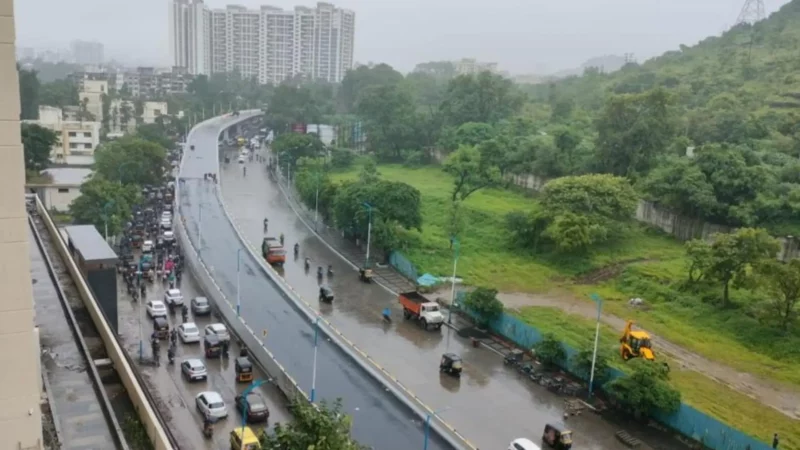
(635, 344)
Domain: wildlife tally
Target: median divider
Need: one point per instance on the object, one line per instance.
(400, 391)
(152, 421)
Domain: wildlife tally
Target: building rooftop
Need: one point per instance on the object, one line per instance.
(89, 243)
(70, 176)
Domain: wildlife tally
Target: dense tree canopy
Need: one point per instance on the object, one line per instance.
(104, 203)
(132, 160)
(37, 142)
(321, 426)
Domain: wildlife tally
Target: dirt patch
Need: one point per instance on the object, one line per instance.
(606, 273)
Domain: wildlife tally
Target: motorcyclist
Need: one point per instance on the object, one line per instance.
(308, 263)
(185, 313)
(319, 271)
(296, 249)
(266, 224)
(173, 336)
(244, 171)
(208, 426)
(282, 238)
(387, 314)
(171, 354)
(330, 269)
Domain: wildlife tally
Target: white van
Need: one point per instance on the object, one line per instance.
(523, 444)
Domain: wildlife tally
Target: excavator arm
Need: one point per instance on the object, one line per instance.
(626, 332)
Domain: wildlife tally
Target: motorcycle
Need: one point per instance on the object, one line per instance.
(208, 428)
(387, 315)
(184, 314)
(319, 272)
(171, 355)
(296, 249)
(308, 264)
(330, 270)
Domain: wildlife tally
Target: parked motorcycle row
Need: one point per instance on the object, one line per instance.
(532, 370)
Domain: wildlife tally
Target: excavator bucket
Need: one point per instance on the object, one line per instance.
(647, 354)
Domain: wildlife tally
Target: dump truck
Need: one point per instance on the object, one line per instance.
(273, 252)
(419, 308)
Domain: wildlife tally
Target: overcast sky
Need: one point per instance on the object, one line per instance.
(523, 36)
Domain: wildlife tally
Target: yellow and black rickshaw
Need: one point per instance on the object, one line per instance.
(557, 436)
(451, 364)
(365, 274)
(212, 346)
(244, 369)
(161, 327)
(244, 438)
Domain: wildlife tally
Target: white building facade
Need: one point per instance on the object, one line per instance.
(79, 138)
(270, 44)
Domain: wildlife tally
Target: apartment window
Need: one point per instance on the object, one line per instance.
(87, 146)
(73, 145)
(63, 190)
(87, 135)
(72, 134)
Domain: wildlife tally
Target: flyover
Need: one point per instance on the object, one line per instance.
(381, 418)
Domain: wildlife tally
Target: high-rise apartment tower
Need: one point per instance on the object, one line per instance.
(270, 44)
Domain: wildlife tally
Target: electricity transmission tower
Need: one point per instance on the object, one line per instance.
(752, 12)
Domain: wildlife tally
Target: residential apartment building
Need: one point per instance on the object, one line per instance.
(269, 43)
(469, 66)
(87, 53)
(79, 138)
(21, 386)
(147, 82)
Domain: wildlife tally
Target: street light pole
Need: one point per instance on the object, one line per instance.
(599, 302)
(369, 232)
(200, 229)
(316, 204)
(314, 366)
(428, 425)
(238, 281)
(456, 246)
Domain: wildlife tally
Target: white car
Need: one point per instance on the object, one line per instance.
(166, 224)
(210, 403)
(166, 215)
(218, 330)
(194, 369)
(523, 444)
(189, 332)
(168, 236)
(147, 246)
(173, 297)
(241, 159)
(156, 308)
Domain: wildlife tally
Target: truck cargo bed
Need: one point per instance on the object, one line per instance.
(415, 297)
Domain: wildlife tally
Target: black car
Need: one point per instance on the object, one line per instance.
(256, 408)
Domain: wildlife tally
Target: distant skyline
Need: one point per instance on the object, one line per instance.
(522, 36)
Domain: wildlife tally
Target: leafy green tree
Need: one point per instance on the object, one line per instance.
(470, 173)
(645, 390)
(731, 257)
(473, 134)
(104, 203)
(322, 426)
(359, 79)
(549, 351)
(633, 130)
(155, 133)
(37, 142)
(781, 282)
(527, 228)
(483, 302)
(582, 362)
(59, 93)
(290, 147)
(29, 88)
(291, 104)
(132, 160)
(390, 120)
(482, 98)
(444, 70)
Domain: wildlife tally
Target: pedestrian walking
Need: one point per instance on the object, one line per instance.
(775, 440)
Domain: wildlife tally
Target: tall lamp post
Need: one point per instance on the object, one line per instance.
(599, 302)
(314, 365)
(316, 201)
(108, 204)
(456, 247)
(428, 425)
(200, 228)
(238, 281)
(369, 232)
(253, 385)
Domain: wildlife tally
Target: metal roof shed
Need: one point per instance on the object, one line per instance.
(89, 248)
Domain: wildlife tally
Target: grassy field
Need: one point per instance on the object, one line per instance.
(697, 390)
(646, 264)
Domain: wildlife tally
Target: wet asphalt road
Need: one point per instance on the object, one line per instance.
(379, 419)
(176, 396)
(518, 407)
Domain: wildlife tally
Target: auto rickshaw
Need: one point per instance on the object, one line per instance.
(451, 364)
(365, 275)
(325, 294)
(161, 327)
(136, 240)
(557, 436)
(212, 346)
(244, 438)
(244, 369)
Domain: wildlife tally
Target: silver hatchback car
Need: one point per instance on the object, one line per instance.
(200, 306)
